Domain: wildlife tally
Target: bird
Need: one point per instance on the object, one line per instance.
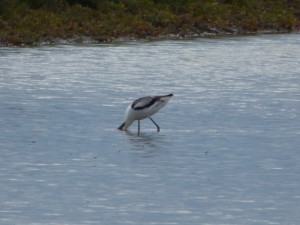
(143, 108)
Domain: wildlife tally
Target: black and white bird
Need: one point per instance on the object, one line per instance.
(143, 108)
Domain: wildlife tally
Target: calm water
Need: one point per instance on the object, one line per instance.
(227, 153)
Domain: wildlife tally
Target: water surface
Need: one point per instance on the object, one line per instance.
(227, 153)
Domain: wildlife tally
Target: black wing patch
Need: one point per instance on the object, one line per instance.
(143, 103)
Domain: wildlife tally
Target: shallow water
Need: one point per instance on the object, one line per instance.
(227, 153)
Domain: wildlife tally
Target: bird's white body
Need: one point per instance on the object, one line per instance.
(143, 108)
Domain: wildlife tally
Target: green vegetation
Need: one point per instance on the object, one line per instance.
(31, 22)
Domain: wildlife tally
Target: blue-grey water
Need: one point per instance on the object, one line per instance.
(227, 153)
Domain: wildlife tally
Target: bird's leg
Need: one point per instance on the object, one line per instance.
(158, 128)
(138, 127)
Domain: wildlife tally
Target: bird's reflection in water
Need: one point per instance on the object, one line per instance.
(147, 144)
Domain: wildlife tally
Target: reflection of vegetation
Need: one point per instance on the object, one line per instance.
(35, 21)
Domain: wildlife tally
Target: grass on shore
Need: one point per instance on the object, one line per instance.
(29, 22)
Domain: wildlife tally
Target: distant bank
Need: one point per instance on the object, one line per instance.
(37, 22)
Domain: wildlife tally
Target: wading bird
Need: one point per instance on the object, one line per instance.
(143, 108)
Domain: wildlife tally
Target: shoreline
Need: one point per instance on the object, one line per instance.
(210, 34)
(41, 22)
